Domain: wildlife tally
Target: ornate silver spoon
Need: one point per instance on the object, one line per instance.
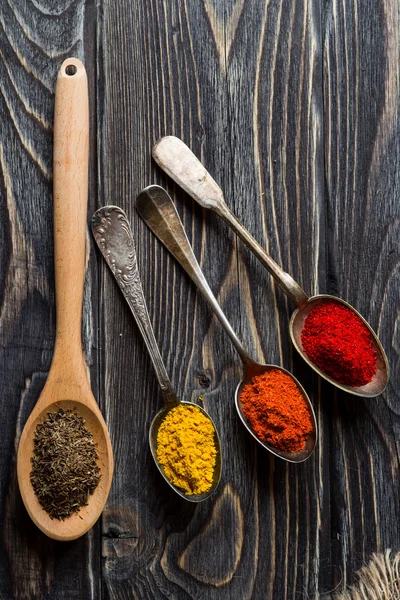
(179, 162)
(114, 238)
(159, 213)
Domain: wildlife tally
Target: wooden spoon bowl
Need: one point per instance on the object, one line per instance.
(80, 522)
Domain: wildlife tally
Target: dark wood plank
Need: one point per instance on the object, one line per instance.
(152, 539)
(241, 84)
(34, 40)
(361, 98)
(277, 192)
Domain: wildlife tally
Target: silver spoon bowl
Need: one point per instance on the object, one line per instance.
(153, 433)
(179, 162)
(252, 369)
(159, 213)
(114, 238)
(378, 383)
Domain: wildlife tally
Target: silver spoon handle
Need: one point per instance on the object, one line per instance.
(159, 213)
(114, 238)
(179, 162)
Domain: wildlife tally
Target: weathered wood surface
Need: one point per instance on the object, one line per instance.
(293, 107)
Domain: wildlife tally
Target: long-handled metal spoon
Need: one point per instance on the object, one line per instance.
(67, 384)
(113, 236)
(159, 213)
(179, 162)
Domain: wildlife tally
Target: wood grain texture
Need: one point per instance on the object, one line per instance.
(34, 40)
(293, 108)
(229, 107)
(361, 92)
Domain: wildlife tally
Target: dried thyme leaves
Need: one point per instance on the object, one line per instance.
(64, 463)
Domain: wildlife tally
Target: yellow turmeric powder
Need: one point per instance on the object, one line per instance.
(186, 449)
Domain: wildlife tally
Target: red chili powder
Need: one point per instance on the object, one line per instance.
(276, 411)
(337, 342)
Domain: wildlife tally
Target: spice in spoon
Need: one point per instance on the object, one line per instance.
(64, 464)
(337, 341)
(276, 411)
(186, 449)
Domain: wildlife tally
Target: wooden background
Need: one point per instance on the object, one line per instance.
(293, 107)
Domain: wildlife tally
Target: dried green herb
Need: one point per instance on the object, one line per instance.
(64, 463)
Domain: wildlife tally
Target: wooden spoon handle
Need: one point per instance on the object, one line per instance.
(70, 191)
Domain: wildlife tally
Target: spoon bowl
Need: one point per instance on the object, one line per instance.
(254, 369)
(78, 523)
(153, 433)
(113, 235)
(179, 162)
(379, 381)
(159, 213)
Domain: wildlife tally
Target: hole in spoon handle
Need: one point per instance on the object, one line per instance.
(71, 70)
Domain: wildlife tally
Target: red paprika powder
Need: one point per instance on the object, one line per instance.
(276, 411)
(337, 341)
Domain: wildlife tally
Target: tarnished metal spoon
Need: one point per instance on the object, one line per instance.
(179, 162)
(113, 236)
(159, 213)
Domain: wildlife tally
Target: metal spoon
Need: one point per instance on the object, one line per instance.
(179, 162)
(159, 213)
(113, 236)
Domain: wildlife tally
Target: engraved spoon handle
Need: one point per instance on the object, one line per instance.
(179, 162)
(159, 213)
(114, 238)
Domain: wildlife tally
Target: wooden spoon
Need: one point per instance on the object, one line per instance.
(67, 384)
